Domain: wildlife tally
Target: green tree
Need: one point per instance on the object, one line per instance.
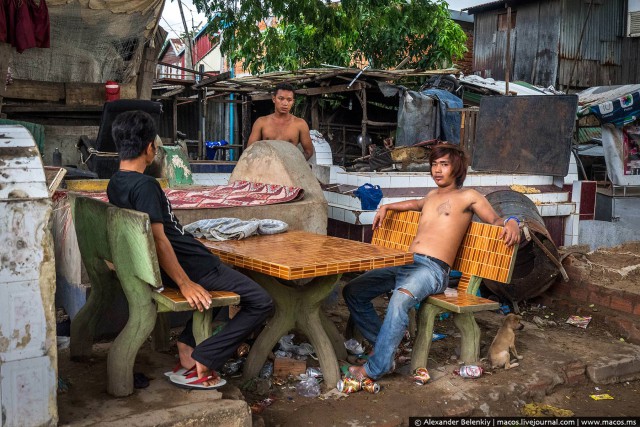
(309, 33)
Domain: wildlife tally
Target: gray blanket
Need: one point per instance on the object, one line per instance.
(234, 229)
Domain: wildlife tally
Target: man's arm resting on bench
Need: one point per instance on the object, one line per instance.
(510, 231)
(197, 296)
(406, 205)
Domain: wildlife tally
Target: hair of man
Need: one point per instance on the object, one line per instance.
(283, 86)
(457, 156)
(132, 132)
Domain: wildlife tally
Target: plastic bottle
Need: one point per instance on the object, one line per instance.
(309, 387)
(57, 157)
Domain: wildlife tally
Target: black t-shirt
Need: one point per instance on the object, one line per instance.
(133, 190)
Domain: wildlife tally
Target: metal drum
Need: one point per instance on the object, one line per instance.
(534, 271)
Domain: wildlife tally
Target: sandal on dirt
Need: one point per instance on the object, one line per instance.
(183, 382)
(179, 370)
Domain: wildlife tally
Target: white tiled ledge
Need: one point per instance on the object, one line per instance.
(350, 201)
(423, 179)
(211, 178)
(354, 215)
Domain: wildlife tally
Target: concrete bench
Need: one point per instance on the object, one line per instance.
(118, 250)
(482, 255)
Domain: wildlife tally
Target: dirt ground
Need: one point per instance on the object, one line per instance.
(616, 267)
(548, 341)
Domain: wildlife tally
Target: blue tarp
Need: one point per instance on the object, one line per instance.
(449, 121)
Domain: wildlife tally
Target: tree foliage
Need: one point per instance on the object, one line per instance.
(309, 33)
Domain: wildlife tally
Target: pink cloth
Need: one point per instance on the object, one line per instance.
(239, 193)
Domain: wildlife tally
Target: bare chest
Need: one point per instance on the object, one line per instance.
(281, 131)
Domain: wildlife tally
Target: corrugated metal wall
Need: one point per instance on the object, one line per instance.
(187, 118)
(547, 43)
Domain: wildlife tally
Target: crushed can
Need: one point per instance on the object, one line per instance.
(421, 376)
(370, 386)
(469, 371)
(349, 385)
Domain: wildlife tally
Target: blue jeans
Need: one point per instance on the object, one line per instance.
(422, 278)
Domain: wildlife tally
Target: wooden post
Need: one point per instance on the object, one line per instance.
(174, 113)
(363, 101)
(201, 154)
(315, 121)
(246, 120)
(508, 53)
(5, 56)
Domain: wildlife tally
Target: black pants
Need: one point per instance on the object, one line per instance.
(256, 305)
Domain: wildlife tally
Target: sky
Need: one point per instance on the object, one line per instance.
(172, 22)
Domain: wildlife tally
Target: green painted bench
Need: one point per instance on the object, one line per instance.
(482, 255)
(118, 250)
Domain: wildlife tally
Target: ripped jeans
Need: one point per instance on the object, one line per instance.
(422, 278)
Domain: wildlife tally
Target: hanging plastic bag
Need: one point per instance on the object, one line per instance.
(369, 195)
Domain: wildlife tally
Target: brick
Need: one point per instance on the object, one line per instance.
(600, 299)
(574, 372)
(560, 289)
(636, 310)
(580, 294)
(621, 304)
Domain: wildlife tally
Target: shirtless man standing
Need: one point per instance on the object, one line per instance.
(282, 125)
(446, 214)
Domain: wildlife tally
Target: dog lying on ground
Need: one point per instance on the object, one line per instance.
(505, 342)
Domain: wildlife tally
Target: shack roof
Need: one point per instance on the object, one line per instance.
(313, 81)
(494, 5)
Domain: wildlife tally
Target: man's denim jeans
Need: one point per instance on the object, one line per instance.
(422, 278)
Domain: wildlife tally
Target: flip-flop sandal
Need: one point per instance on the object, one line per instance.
(183, 382)
(179, 370)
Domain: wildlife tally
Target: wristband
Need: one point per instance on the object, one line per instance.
(512, 218)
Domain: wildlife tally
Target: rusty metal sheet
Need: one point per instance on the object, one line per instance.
(525, 134)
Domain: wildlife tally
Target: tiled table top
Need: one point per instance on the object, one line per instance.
(299, 254)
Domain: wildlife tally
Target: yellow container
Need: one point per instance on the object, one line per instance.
(99, 184)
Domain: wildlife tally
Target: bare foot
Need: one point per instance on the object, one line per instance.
(358, 372)
(204, 372)
(184, 352)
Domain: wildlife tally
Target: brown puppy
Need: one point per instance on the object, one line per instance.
(504, 342)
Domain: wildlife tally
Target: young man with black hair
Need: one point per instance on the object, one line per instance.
(185, 263)
(281, 124)
(446, 214)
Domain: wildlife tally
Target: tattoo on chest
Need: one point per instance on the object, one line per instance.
(444, 208)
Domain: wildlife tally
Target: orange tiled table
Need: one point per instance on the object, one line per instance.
(302, 255)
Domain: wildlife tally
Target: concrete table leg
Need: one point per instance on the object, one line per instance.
(298, 307)
(426, 319)
(470, 337)
(122, 355)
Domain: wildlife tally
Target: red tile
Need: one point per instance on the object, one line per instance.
(588, 197)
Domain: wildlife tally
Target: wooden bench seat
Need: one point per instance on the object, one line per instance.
(482, 254)
(118, 251)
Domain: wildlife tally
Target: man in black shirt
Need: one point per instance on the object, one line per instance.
(184, 262)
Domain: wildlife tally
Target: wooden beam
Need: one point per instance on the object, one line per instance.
(35, 90)
(213, 79)
(246, 120)
(331, 89)
(315, 121)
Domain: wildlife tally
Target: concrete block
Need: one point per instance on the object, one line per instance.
(610, 370)
(22, 321)
(28, 392)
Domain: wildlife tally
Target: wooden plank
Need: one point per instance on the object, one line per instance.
(175, 301)
(94, 93)
(285, 366)
(34, 90)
